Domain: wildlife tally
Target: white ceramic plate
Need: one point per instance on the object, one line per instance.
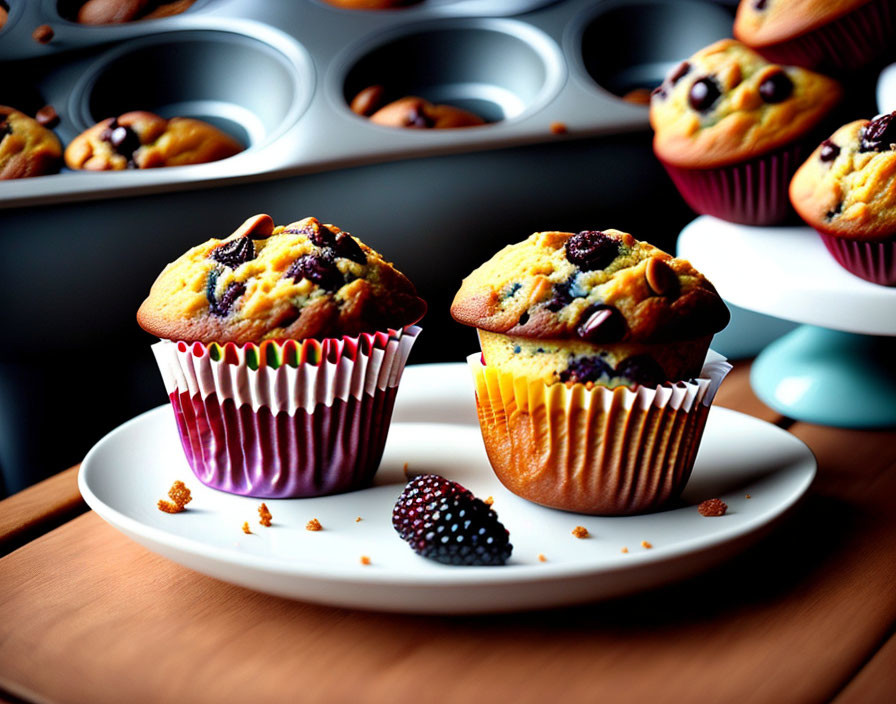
(125, 474)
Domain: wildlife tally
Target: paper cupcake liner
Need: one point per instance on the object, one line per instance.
(844, 44)
(285, 420)
(595, 451)
(752, 192)
(872, 261)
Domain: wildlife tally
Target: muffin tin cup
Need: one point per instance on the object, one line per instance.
(845, 44)
(751, 192)
(290, 420)
(872, 261)
(595, 451)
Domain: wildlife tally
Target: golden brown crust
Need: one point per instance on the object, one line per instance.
(26, 148)
(740, 123)
(156, 142)
(531, 289)
(304, 280)
(780, 20)
(851, 192)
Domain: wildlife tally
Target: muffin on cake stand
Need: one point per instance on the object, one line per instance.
(836, 369)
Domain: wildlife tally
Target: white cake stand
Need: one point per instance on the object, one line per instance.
(839, 368)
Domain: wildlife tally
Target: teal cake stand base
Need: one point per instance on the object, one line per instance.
(829, 377)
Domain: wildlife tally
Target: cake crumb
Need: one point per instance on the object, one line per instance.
(580, 532)
(358, 519)
(405, 470)
(712, 507)
(246, 529)
(646, 545)
(313, 525)
(489, 501)
(365, 560)
(559, 128)
(542, 558)
(47, 117)
(180, 496)
(43, 34)
(624, 549)
(638, 96)
(748, 497)
(264, 515)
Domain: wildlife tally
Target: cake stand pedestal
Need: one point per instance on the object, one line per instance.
(839, 368)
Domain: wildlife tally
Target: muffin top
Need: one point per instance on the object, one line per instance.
(726, 104)
(304, 280)
(27, 148)
(847, 187)
(762, 22)
(597, 287)
(143, 140)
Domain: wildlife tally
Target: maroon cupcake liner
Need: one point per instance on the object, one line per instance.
(285, 420)
(844, 44)
(751, 192)
(872, 261)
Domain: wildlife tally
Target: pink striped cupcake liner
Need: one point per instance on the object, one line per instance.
(285, 420)
(844, 44)
(872, 261)
(752, 192)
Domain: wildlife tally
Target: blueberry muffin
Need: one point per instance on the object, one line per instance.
(730, 128)
(291, 339)
(26, 148)
(829, 34)
(846, 190)
(598, 307)
(303, 280)
(142, 140)
(593, 385)
(120, 11)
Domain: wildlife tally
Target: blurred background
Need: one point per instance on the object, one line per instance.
(561, 82)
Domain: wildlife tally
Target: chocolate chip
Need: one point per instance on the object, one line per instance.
(776, 88)
(836, 211)
(704, 93)
(524, 318)
(123, 139)
(235, 252)
(47, 117)
(591, 249)
(347, 248)
(585, 369)
(318, 234)
(829, 151)
(760, 4)
(642, 369)
(601, 323)
(680, 72)
(319, 270)
(879, 135)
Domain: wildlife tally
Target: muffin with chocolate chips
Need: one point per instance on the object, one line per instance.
(281, 351)
(27, 148)
(822, 34)
(731, 128)
(593, 365)
(143, 140)
(846, 190)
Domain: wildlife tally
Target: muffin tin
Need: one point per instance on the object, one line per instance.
(81, 249)
(280, 78)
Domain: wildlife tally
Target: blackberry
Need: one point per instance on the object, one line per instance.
(443, 521)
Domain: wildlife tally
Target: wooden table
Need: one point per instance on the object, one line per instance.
(807, 615)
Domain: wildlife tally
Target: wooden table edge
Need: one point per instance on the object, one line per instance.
(39, 508)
